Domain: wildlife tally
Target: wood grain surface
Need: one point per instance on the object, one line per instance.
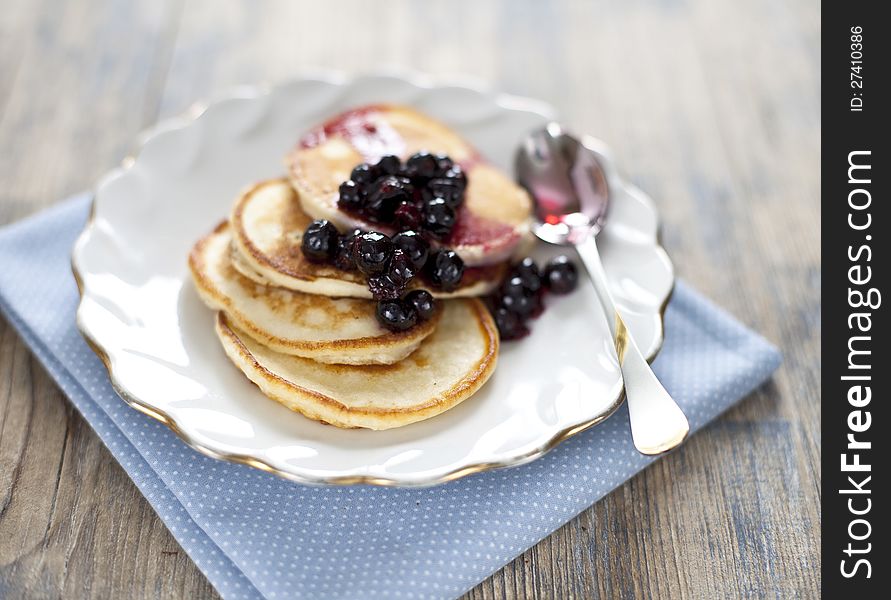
(712, 107)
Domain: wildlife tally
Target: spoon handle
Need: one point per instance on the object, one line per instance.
(657, 422)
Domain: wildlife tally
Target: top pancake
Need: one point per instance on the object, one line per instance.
(494, 218)
(267, 225)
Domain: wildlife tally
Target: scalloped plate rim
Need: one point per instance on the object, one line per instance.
(334, 78)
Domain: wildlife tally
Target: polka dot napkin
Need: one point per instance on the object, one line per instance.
(255, 535)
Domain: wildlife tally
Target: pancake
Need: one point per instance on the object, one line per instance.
(447, 368)
(492, 222)
(330, 330)
(267, 224)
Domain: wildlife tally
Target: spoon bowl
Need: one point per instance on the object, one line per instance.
(567, 180)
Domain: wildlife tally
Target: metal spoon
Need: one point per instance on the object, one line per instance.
(569, 180)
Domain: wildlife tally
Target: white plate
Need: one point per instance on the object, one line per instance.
(140, 312)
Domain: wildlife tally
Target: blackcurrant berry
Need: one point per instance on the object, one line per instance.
(351, 196)
(363, 174)
(396, 315)
(387, 165)
(319, 241)
(560, 275)
(423, 303)
(415, 247)
(422, 165)
(372, 252)
(510, 325)
(439, 218)
(445, 269)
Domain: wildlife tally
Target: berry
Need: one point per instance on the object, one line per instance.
(396, 315)
(319, 241)
(363, 174)
(443, 163)
(560, 275)
(445, 269)
(388, 165)
(415, 247)
(344, 257)
(439, 218)
(372, 252)
(527, 270)
(407, 216)
(523, 306)
(383, 287)
(351, 196)
(510, 325)
(385, 196)
(456, 174)
(422, 165)
(516, 298)
(422, 302)
(401, 270)
(446, 189)
(513, 287)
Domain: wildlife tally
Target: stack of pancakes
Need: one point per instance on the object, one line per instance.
(307, 334)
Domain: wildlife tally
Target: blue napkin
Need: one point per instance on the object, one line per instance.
(255, 535)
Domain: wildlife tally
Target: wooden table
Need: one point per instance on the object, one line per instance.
(713, 106)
